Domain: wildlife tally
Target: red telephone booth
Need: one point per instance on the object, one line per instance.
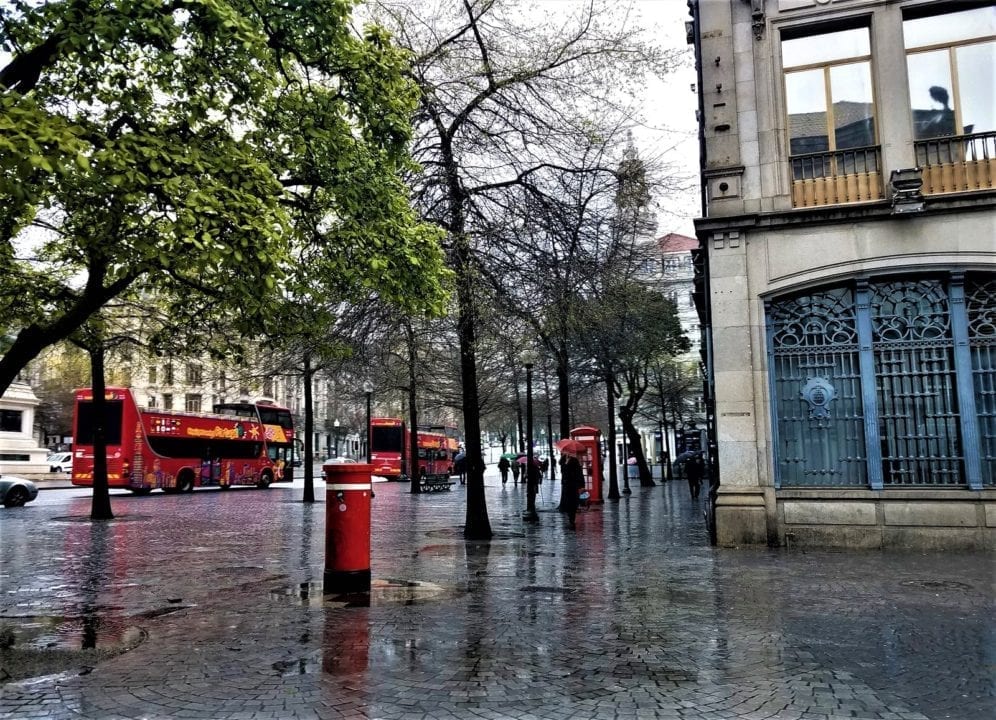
(591, 463)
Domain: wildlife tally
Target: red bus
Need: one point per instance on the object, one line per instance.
(435, 463)
(452, 439)
(387, 447)
(148, 448)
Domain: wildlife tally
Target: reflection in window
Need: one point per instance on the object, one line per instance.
(831, 118)
(950, 63)
(837, 93)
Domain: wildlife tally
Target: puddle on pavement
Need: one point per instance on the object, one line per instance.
(63, 632)
(87, 520)
(457, 533)
(382, 591)
(938, 584)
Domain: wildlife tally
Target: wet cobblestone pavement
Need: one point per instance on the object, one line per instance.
(632, 616)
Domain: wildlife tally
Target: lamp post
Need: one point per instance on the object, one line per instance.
(530, 514)
(335, 429)
(626, 490)
(368, 388)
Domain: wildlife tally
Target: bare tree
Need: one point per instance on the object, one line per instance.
(504, 92)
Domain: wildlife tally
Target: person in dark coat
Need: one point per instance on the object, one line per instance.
(503, 468)
(515, 472)
(694, 470)
(573, 479)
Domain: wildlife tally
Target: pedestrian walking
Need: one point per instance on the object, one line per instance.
(515, 473)
(573, 479)
(503, 468)
(694, 469)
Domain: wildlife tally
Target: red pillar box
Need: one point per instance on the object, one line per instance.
(347, 528)
(591, 463)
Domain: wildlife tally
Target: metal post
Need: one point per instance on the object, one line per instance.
(335, 428)
(626, 490)
(530, 514)
(368, 427)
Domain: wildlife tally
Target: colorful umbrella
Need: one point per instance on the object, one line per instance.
(571, 447)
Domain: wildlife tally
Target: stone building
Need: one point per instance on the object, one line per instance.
(848, 285)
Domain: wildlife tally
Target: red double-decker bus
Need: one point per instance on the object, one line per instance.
(387, 447)
(147, 448)
(452, 439)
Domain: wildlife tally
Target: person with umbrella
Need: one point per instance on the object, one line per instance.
(694, 470)
(460, 466)
(503, 468)
(574, 483)
(515, 471)
(572, 477)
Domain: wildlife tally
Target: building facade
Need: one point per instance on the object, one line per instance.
(848, 241)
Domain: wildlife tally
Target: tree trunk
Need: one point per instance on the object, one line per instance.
(610, 401)
(564, 388)
(412, 464)
(309, 432)
(633, 440)
(478, 525)
(100, 509)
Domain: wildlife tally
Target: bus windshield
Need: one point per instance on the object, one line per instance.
(385, 438)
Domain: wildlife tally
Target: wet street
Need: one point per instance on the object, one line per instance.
(213, 602)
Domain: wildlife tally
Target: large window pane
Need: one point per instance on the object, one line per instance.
(807, 112)
(950, 27)
(975, 86)
(825, 48)
(850, 87)
(930, 94)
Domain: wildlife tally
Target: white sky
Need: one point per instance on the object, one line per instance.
(670, 109)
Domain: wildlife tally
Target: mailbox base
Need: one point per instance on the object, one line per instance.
(345, 581)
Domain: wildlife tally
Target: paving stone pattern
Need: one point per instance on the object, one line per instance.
(632, 616)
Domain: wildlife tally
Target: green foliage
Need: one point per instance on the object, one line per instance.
(206, 147)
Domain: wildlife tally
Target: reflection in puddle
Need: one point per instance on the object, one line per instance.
(61, 632)
(406, 592)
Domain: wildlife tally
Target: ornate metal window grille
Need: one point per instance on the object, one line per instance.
(916, 385)
(819, 432)
(891, 384)
(980, 301)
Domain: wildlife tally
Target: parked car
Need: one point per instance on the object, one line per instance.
(15, 491)
(60, 462)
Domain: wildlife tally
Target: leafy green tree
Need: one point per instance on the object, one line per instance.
(191, 145)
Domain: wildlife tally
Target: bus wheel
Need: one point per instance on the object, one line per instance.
(264, 480)
(141, 491)
(185, 482)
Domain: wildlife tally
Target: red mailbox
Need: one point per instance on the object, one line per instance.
(348, 491)
(591, 463)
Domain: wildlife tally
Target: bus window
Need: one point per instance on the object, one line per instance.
(112, 423)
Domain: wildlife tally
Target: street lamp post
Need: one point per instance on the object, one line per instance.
(530, 514)
(626, 490)
(335, 429)
(368, 388)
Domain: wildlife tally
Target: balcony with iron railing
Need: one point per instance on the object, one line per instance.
(837, 177)
(957, 163)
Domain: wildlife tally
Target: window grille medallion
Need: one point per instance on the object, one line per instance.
(818, 394)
